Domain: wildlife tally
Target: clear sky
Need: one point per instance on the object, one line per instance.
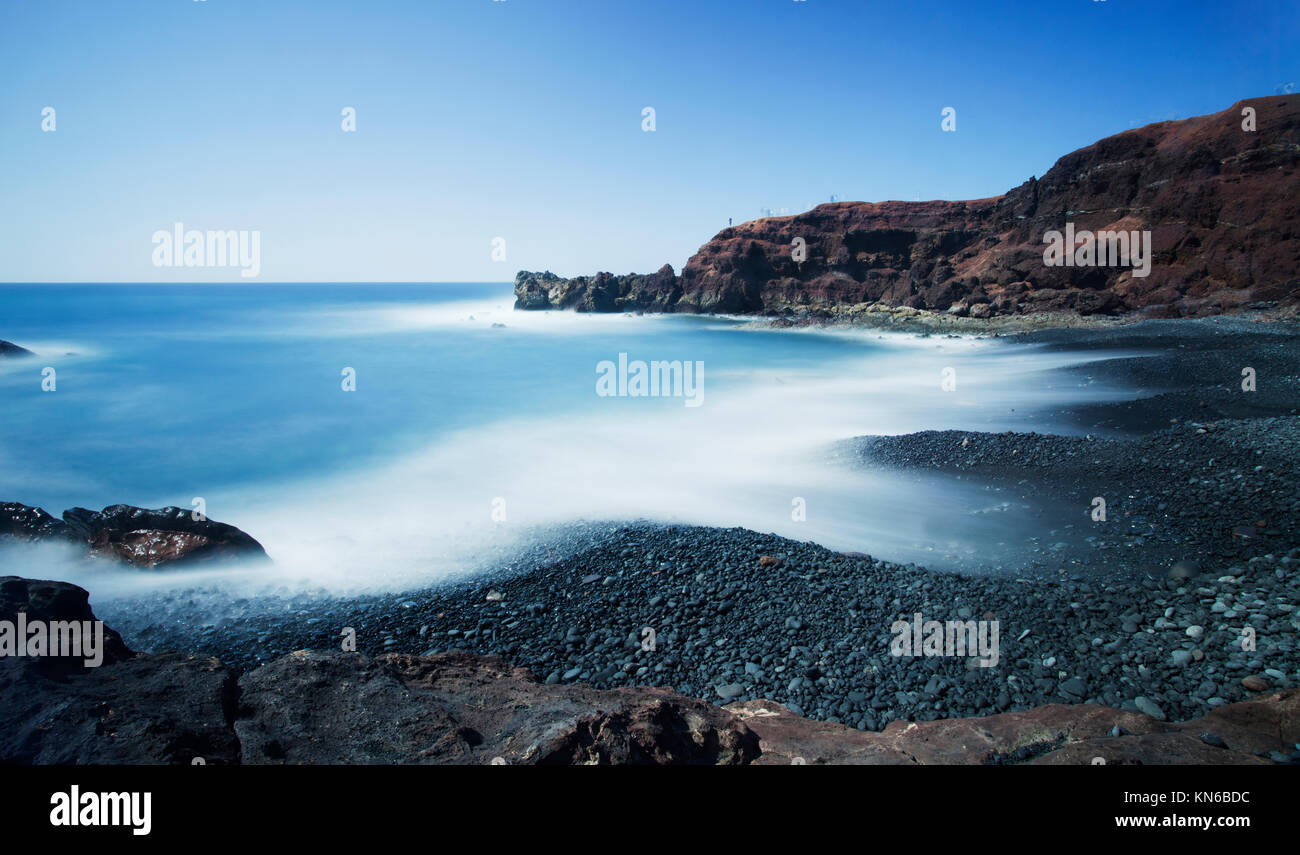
(522, 119)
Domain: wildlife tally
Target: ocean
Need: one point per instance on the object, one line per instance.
(468, 424)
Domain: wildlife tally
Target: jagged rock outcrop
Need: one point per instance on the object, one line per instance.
(1218, 201)
(313, 707)
(11, 350)
(131, 708)
(604, 292)
(48, 601)
(457, 707)
(136, 536)
(28, 523)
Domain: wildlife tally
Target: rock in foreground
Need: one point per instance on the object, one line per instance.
(316, 707)
(10, 350)
(1261, 730)
(313, 707)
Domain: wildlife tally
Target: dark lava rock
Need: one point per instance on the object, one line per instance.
(49, 602)
(151, 538)
(28, 523)
(129, 709)
(313, 707)
(168, 708)
(10, 350)
(135, 536)
(603, 292)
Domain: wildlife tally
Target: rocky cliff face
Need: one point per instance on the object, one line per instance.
(1217, 200)
(332, 707)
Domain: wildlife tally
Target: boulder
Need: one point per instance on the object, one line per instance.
(48, 601)
(315, 707)
(135, 536)
(153, 538)
(27, 523)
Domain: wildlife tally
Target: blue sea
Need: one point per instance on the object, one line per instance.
(470, 423)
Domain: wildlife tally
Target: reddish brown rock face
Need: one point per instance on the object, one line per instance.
(319, 707)
(136, 536)
(152, 538)
(147, 547)
(1218, 201)
(1054, 734)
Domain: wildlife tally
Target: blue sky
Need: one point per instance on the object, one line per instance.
(522, 119)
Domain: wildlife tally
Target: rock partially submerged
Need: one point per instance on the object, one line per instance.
(461, 708)
(49, 602)
(604, 292)
(9, 350)
(28, 523)
(136, 536)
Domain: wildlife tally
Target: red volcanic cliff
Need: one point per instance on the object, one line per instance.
(1221, 203)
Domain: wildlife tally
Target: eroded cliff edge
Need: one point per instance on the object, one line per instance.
(1218, 200)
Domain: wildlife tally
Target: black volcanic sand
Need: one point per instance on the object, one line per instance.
(1146, 610)
(812, 632)
(1199, 469)
(1193, 375)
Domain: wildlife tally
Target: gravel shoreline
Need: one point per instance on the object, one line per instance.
(740, 615)
(1154, 609)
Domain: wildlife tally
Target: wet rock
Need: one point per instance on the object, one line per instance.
(154, 538)
(49, 602)
(9, 350)
(29, 523)
(1149, 707)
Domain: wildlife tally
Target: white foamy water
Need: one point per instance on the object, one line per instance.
(512, 427)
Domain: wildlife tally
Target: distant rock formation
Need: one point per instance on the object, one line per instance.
(10, 350)
(135, 536)
(1218, 201)
(604, 292)
(343, 708)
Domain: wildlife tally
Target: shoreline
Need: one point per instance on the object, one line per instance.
(740, 616)
(812, 630)
(905, 319)
(698, 585)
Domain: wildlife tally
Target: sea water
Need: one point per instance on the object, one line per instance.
(381, 436)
